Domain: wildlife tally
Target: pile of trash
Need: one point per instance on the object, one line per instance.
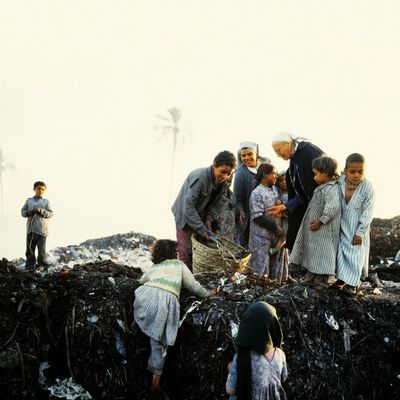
(70, 335)
(69, 332)
(131, 249)
(385, 239)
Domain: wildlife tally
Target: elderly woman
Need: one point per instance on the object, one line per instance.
(299, 177)
(243, 185)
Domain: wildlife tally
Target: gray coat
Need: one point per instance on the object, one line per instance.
(192, 204)
(37, 223)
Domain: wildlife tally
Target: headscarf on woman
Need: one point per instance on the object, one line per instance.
(243, 185)
(299, 178)
(259, 331)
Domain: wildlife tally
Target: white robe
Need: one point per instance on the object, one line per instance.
(356, 220)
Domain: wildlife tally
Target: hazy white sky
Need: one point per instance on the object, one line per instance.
(81, 83)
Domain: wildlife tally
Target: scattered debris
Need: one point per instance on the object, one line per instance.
(76, 330)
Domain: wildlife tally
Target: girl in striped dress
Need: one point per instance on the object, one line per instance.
(357, 199)
(156, 305)
(316, 243)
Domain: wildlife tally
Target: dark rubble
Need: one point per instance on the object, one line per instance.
(79, 322)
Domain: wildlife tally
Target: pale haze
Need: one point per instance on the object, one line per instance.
(82, 83)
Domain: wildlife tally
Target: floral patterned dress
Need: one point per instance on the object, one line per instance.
(261, 240)
(266, 376)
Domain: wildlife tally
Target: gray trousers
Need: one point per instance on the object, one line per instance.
(34, 240)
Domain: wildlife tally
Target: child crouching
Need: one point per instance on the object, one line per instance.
(156, 305)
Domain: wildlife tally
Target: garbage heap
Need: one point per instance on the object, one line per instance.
(70, 334)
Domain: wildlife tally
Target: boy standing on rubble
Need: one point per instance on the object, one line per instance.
(38, 210)
(357, 206)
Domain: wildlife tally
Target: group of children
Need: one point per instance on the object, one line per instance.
(334, 235)
(333, 239)
(258, 367)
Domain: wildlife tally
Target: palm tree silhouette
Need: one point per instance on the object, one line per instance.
(172, 126)
(4, 166)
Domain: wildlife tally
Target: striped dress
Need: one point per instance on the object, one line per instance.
(317, 250)
(356, 220)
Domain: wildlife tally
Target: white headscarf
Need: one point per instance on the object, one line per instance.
(284, 137)
(249, 145)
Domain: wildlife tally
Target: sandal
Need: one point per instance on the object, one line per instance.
(349, 290)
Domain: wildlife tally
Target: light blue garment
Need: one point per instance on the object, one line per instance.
(266, 378)
(37, 223)
(356, 220)
(317, 250)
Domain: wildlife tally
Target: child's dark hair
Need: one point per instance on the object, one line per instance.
(326, 165)
(164, 249)
(225, 158)
(263, 170)
(355, 158)
(37, 184)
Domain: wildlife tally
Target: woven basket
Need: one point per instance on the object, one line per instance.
(225, 256)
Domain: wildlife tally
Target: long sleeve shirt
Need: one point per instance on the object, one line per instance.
(38, 222)
(170, 275)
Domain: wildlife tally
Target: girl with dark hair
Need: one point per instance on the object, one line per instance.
(316, 243)
(259, 366)
(266, 232)
(156, 305)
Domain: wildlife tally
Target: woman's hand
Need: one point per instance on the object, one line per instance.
(274, 211)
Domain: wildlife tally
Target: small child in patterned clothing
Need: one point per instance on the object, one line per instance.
(265, 231)
(156, 305)
(259, 366)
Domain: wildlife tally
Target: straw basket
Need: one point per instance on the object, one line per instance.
(224, 256)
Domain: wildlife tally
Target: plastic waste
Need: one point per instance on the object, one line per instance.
(69, 390)
(119, 345)
(92, 318)
(330, 320)
(42, 367)
(234, 328)
(347, 334)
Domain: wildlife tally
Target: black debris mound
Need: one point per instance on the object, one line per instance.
(79, 322)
